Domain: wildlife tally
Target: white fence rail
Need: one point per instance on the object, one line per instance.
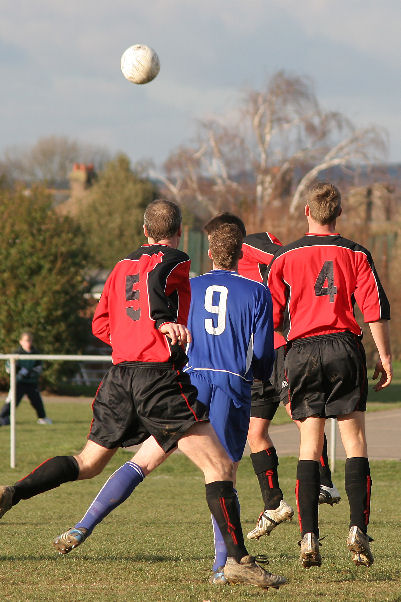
(13, 358)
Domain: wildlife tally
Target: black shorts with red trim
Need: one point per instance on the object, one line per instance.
(136, 400)
(266, 396)
(327, 375)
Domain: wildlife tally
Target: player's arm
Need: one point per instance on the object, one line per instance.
(372, 301)
(381, 336)
(170, 298)
(278, 290)
(369, 293)
(263, 346)
(101, 318)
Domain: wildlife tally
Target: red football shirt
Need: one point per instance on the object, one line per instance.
(258, 251)
(315, 282)
(143, 291)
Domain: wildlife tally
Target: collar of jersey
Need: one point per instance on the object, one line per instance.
(313, 234)
(223, 272)
(155, 244)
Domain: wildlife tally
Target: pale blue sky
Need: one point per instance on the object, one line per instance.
(60, 65)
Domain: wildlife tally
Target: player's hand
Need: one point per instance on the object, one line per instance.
(178, 333)
(385, 370)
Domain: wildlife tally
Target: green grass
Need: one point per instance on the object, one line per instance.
(158, 546)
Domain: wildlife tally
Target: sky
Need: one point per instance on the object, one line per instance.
(60, 66)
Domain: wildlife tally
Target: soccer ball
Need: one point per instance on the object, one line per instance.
(140, 64)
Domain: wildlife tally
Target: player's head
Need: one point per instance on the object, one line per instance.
(324, 202)
(162, 220)
(224, 218)
(225, 246)
(26, 340)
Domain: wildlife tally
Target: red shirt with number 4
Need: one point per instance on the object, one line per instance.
(315, 282)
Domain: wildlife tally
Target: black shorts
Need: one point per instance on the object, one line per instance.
(266, 396)
(136, 400)
(327, 375)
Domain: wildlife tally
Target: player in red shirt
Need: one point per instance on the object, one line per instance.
(145, 396)
(315, 282)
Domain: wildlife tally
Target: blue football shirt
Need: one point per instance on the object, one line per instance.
(231, 322)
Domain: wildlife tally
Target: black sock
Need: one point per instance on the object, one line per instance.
(307, 494)
(324, 469)
(50, 474)
(358, 485)
(265, 466)
(223, 504)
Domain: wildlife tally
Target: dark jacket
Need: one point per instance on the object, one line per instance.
(28, 371)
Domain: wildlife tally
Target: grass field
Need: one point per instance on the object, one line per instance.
(157, 546)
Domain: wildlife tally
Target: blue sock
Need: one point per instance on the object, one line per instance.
(113, 493)
(220, 550)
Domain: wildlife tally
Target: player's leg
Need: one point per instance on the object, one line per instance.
(36, 401)
(328, 493)
(345, 364)
(265, 401)
(307, 488)
(358, 485)
(201, 445)
(101, 446)
(5, 410)
(230, 420)
(265, 462)
(104, 439)
(114, 492)
(305, 374)
(220, 550)
(54, 472)
(182, 420)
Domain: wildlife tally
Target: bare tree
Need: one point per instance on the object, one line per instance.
(50, 160)
(276, 142)
(362, 146)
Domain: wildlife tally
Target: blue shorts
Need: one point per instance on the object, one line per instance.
(229, 410)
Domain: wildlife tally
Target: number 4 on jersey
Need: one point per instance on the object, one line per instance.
(326, 274)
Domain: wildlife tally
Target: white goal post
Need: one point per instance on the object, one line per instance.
(13, 358)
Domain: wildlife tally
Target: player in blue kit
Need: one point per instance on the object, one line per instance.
(231, 321)
(232, 340)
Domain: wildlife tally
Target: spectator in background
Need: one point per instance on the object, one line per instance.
(28, 373)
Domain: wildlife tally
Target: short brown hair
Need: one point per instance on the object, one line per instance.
(224, 218)
(225, 244)
(324, 201)
(27, 333)
(162, 219)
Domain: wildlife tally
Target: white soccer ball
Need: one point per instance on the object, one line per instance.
(140, 64)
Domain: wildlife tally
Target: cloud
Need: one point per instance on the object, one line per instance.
(365, 25)
(60, 63)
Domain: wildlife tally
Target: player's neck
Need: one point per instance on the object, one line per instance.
(218, 267)
(316, 228)
(173, 242)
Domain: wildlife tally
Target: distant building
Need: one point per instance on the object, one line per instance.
(81, 179)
